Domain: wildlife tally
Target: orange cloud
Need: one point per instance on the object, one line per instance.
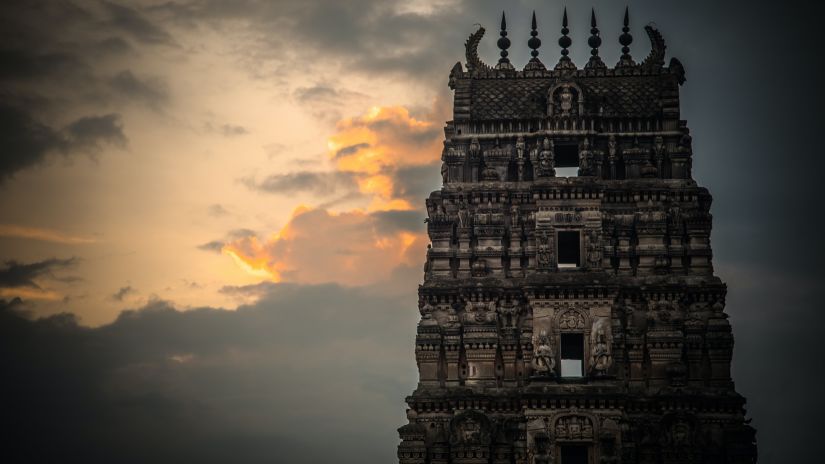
(359, 246)
(351, 248)
(378, 143)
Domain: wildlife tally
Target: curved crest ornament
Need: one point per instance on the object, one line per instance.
(656, 58)
(474, 63)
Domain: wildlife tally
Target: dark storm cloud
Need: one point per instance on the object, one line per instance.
(392, 221)
(16, 274)
(18, 64)
(88, 133)
(416, 182)
(152, 91)
(210, 385)
(319, 183)
(137, 25)
(122, 293)
(350, 150)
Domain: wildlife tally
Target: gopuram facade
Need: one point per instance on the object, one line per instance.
(569, 310)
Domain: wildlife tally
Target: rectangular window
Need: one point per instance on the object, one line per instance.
(573, 454)
(569, 249)
(566, 156)
(572, 355)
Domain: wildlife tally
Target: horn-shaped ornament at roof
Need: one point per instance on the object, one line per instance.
(656, 58)
(474, 63)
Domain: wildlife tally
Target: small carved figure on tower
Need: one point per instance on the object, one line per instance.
(463, 215)
(601, 358)
(445, 170)
(546, 162)
(543, 254)
(594, 250)
(544, 360)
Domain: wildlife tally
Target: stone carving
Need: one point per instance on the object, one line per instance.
(544, 243)
(463, 215)
(645, 225)
(601, 357)
(566, 100)
(545, 167)
(480, 312)
(509, 312)
(585, 159)
(594, 250)
(470, 428)
(426, 311)
(573, 427)
(571, 320)
(544, 360)
(479, 268)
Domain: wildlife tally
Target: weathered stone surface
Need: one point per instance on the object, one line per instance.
(532, 276)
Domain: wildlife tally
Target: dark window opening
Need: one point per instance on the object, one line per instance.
(569, 252)
(573, 454)
(567, 159)
(572, 354)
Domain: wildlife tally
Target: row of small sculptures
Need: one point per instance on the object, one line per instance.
(543, 157)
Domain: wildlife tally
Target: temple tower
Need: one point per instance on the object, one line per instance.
(569, 310)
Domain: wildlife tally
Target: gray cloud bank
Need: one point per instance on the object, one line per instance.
(307, 374)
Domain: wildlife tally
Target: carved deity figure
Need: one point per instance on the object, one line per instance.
(600, 356)
(509, 314)
(594, 250)
(543, 255)
(544, 360)
(445, 171)
(475, 148)
(463, 215)
(546, 162)
(566, 100)
(571, 320)
(585, 158)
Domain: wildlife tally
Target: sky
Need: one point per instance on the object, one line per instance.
(211, 213)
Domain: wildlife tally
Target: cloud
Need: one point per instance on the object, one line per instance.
(376, 145)
(39, 233)
(28, 142)
(215, 246)
(319, 183)
(123, 292)
(217, 210)
(15, 274)
(352, 248)
(152, 91)
(258, 384)
(89, 132)
(137, 25)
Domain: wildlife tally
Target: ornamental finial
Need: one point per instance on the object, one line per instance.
(534, 43)
(626, 39)
(594, 41)
(503, 43)
(564, 43)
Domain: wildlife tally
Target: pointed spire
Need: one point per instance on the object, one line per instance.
(564, 43)
(594, 41)
(503, 43)
(534, 43)
(626, 39)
